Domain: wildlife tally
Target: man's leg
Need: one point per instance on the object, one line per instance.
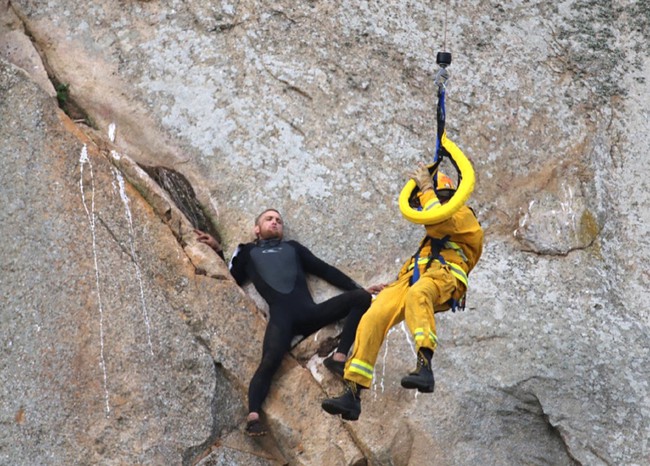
(358, 304)
(350, 305)
(277, 340)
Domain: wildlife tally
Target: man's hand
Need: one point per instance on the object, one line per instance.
(422, 177)
(208, 239)
(374, 289)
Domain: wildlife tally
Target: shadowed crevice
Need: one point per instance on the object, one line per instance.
(180, 190)
(225, 409)
(527, 405)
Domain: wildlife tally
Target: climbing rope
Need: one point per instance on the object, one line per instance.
(444, 41)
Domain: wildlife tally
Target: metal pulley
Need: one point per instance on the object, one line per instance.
(443, 59)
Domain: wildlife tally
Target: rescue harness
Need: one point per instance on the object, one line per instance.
(436, 246)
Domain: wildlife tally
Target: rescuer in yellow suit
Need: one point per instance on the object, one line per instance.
(434, 279)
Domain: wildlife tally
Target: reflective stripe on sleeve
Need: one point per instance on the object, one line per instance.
(431, 204)
(458, 249)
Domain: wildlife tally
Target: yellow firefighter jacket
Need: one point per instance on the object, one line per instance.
(462, 249)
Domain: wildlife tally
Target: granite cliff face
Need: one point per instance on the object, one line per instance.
(125, 341)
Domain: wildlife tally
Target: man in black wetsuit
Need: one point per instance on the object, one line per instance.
(278, 271)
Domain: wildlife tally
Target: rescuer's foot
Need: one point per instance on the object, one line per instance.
(348, 404)
(422, 377)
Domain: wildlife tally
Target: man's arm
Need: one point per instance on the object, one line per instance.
(238, 261)
(322, 269)
(210, 240)
(238, 264)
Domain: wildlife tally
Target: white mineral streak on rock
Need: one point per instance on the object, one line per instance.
(314, 366)
(409, 339)
(90, 213)
(383, 366)
(134, 257)
(111, 132)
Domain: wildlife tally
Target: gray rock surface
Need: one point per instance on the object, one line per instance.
(124, 340)
(93, 368)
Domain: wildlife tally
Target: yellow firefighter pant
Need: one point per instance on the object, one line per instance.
(395, 303)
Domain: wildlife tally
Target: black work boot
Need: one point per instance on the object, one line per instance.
(348, 404)
(422, 377)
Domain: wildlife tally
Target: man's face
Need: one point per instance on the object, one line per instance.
(269, 225)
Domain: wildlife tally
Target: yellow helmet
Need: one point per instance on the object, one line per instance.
(444, 182)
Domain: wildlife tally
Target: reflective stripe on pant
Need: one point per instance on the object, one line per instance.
(395, 303)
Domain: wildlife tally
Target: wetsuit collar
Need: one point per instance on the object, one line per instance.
(268, 243)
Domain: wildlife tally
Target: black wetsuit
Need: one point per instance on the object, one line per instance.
(278, 270)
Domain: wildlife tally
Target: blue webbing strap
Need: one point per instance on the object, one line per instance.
(441, 79)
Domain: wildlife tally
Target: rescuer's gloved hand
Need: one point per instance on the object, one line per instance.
(422, 177)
